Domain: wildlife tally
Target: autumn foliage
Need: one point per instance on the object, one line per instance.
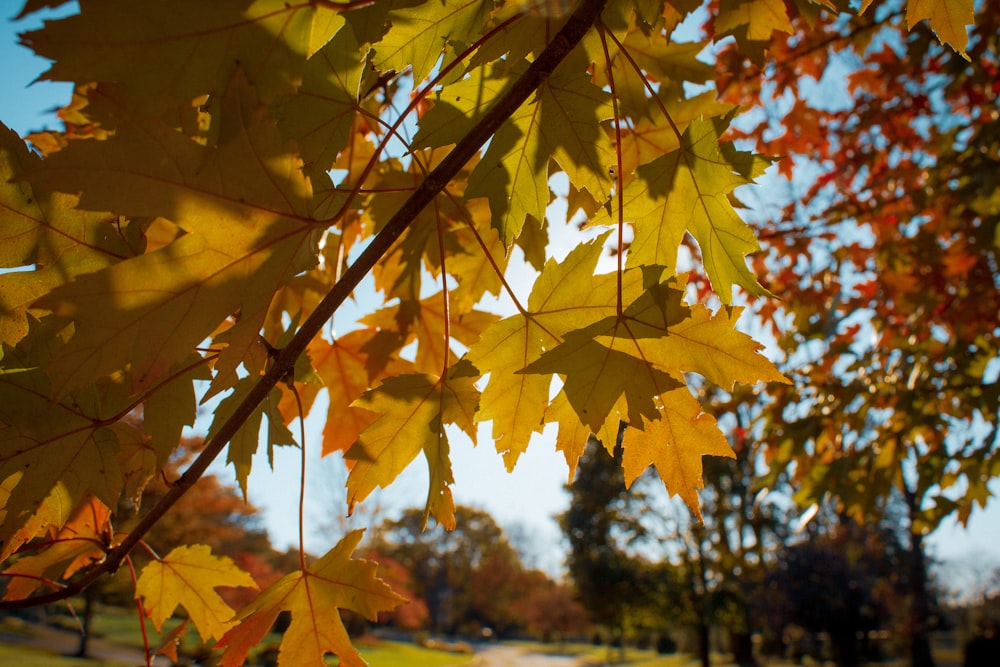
(230, 173)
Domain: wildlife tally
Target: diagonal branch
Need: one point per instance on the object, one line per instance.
(566, 39)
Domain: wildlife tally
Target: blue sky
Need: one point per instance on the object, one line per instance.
(527, 498)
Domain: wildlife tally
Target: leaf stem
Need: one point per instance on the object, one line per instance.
(579, 23)
(142, 614)
(302, 478)
(619, 177)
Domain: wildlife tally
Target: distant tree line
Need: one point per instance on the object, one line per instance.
(471, 582)
(646, 571)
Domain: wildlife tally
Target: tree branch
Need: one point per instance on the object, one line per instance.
(565, 41)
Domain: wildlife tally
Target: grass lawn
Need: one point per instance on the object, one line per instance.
(23, 656)
(599, 654)
(393, 654)
(122, 627)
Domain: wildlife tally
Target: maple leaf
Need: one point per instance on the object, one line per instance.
(45, 230)
(413, 410)
(188, 577)
(596, 376)
(401, 271)
(949, 19)
(643, 56)
(675, 443)
(758, 18)
(147, 47)
(562, 124)
(52, 513)
(245, 442)
(656, 134)
(420, 33)
(313, 597)
(321, 116)
(457, 107)
(343, 367)
(429, 328)
(687, 191)
(476, 272)
(698, 341)
(171, 407)
(572, 434)
(516, 401)
(245, 207)
(81, 541)
(57, 452)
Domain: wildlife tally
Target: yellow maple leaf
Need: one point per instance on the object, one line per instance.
(562, 124)
(44, 230)
(949, 19)
(413, 410)
(674, 444)
(321, 117)
(53, 453)
(688, 191)
(701, 343)
(147, 47)
(245, 206)
(421, 32)
(434, 350)
(652, 136)
(313, 596)
(516, 401)
(760, 18)
(188, 577)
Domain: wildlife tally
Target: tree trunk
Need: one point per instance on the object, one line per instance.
(703, 644)
(86, 620)
(919, 639)
(741, 646)
(845, 648)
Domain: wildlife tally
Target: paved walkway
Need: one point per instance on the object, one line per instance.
(511, 656)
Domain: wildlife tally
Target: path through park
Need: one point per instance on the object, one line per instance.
(510, 656)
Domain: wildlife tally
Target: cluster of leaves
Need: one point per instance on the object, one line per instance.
(227, 176)
(889, 259)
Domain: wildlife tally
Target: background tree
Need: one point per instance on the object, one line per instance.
(599, 524)
(843, 579)
(552, 611)
(887, 256)
(467, 577)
